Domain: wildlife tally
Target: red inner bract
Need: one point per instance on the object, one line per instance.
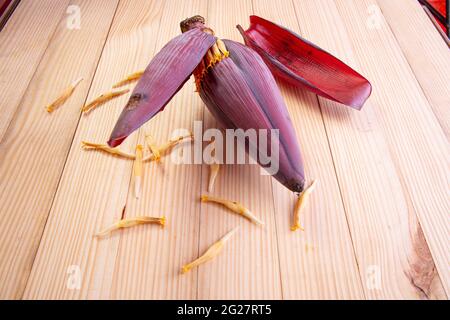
(300, 62)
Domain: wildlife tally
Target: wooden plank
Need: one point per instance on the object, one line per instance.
(93, 188)
(343, 149)
(28, 183)
(383, 246)
(414, 137)
(249, 266)
(427, 55)
(23, 42)
(149, 260)
(319, 263)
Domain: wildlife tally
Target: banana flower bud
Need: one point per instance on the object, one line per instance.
(238, 87)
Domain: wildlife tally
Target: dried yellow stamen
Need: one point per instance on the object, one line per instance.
(213, 171)
(235, 207)
(105, 97)
(216, 51)
(300, 204)
(103, 147)
(210, 254)
(138, 171)
(199, 72)
(210, 59)
(64, 96)
(152, 147)
(222, 48)
(173, 142)
(163, 149)
(130, 78)
(130, 222)
(116, 151)
(215, 54)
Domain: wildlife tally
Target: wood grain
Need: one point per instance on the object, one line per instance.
(427, 55)
(305, 257)
(383, 245)
(414, 137)
(149, 260)
(94, 186)
(376, 225)
(23, 42)
(36, 144)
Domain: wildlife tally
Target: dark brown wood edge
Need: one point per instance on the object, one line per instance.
(6, 10)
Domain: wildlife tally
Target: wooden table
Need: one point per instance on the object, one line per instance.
(377, 225)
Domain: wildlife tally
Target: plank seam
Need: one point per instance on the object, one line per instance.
(70, 148)
(336, 177)
(200, 210)
(342, 197)
(17, 108)
(201, 182)
(407, 193)
(278, 242)
(430, 105)
(274, 215)
(138, 133)
(20, 291)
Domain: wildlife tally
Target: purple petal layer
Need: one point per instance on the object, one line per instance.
(241, 92)
(163, 77)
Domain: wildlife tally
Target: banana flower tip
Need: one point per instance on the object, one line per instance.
(115, 142)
